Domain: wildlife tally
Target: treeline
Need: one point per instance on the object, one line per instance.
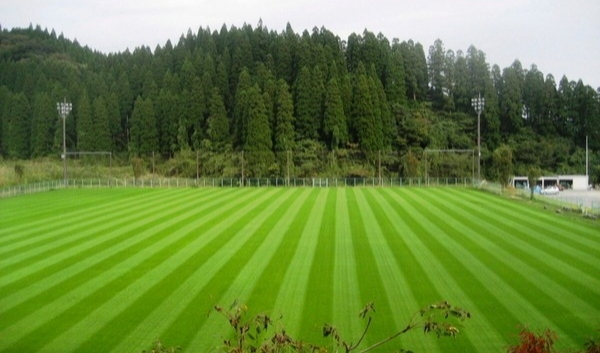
(265, 92)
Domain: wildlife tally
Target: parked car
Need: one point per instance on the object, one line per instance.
(551, 190)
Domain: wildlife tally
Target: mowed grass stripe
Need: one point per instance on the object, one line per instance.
(180, 269)
(79, 207)
(382, 280)
(413, 287)
(519, 293)
(517, 208)
(535, 221)
(130, 307)
(60, 240)
(268, 239)
(473, 292)
(291, 299)
(208, 265)
(174, 294)
(18, 212)
(346, 288)
(45, 237)
(398, 235)
(446, 275)
(60, 286)
(75, 296)
(371, 281)
(577, 250)
(517, 243)
(254, 259)
(229, 282)
(319, 297)
(58, 266)
(570, 312)
(18, 241)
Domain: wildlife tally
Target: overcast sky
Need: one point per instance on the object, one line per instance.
(562, 37)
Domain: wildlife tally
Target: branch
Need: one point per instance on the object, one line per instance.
(351, 348)
(380, 343)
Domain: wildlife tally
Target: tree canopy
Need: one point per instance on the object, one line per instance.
(253, 88)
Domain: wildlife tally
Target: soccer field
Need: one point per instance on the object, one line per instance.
(112, 270)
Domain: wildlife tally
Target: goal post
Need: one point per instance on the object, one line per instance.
(449, 164)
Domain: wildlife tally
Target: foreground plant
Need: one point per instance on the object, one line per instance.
(159, 347)
(532, 342)
(258, 334)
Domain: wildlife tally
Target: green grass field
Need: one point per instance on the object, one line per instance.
(111, 270)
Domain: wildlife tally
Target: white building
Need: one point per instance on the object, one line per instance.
(574, 182)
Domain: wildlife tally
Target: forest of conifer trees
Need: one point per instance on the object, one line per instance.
(266, 92)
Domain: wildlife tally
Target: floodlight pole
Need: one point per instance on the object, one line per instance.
(478, 103)
(64, 109)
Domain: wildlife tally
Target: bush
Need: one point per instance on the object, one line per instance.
(19, 171)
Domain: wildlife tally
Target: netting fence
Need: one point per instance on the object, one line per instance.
(230, 183)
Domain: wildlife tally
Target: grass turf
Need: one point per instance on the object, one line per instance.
(112, 270)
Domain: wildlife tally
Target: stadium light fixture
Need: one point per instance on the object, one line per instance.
(64, 109)
(478, 103)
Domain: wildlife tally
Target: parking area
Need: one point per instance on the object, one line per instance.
(587, 199)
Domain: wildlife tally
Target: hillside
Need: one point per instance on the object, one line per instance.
(265, 92)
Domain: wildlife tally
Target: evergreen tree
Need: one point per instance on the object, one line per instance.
(86, 136)
(167, 122)
(18, 127)
(394, 77)
(437, 73)
(366, 125)
(196, 110)
(222, 80)
(117, 135)
(283, 58)
(218, 124)
(258, 140)
(550, 108)
(240, 114)
(240, 57)
(318, 103)
(144, 135)
(304, 99)
(4, 114)
(388, 123)
(490, 122)
(587, 115)
(101, 126)
(567, 108)
(334, 125)
(284, 134)
(479, 71)
(511, 106)
(462, 92)
(533, 98)
(42, 125)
